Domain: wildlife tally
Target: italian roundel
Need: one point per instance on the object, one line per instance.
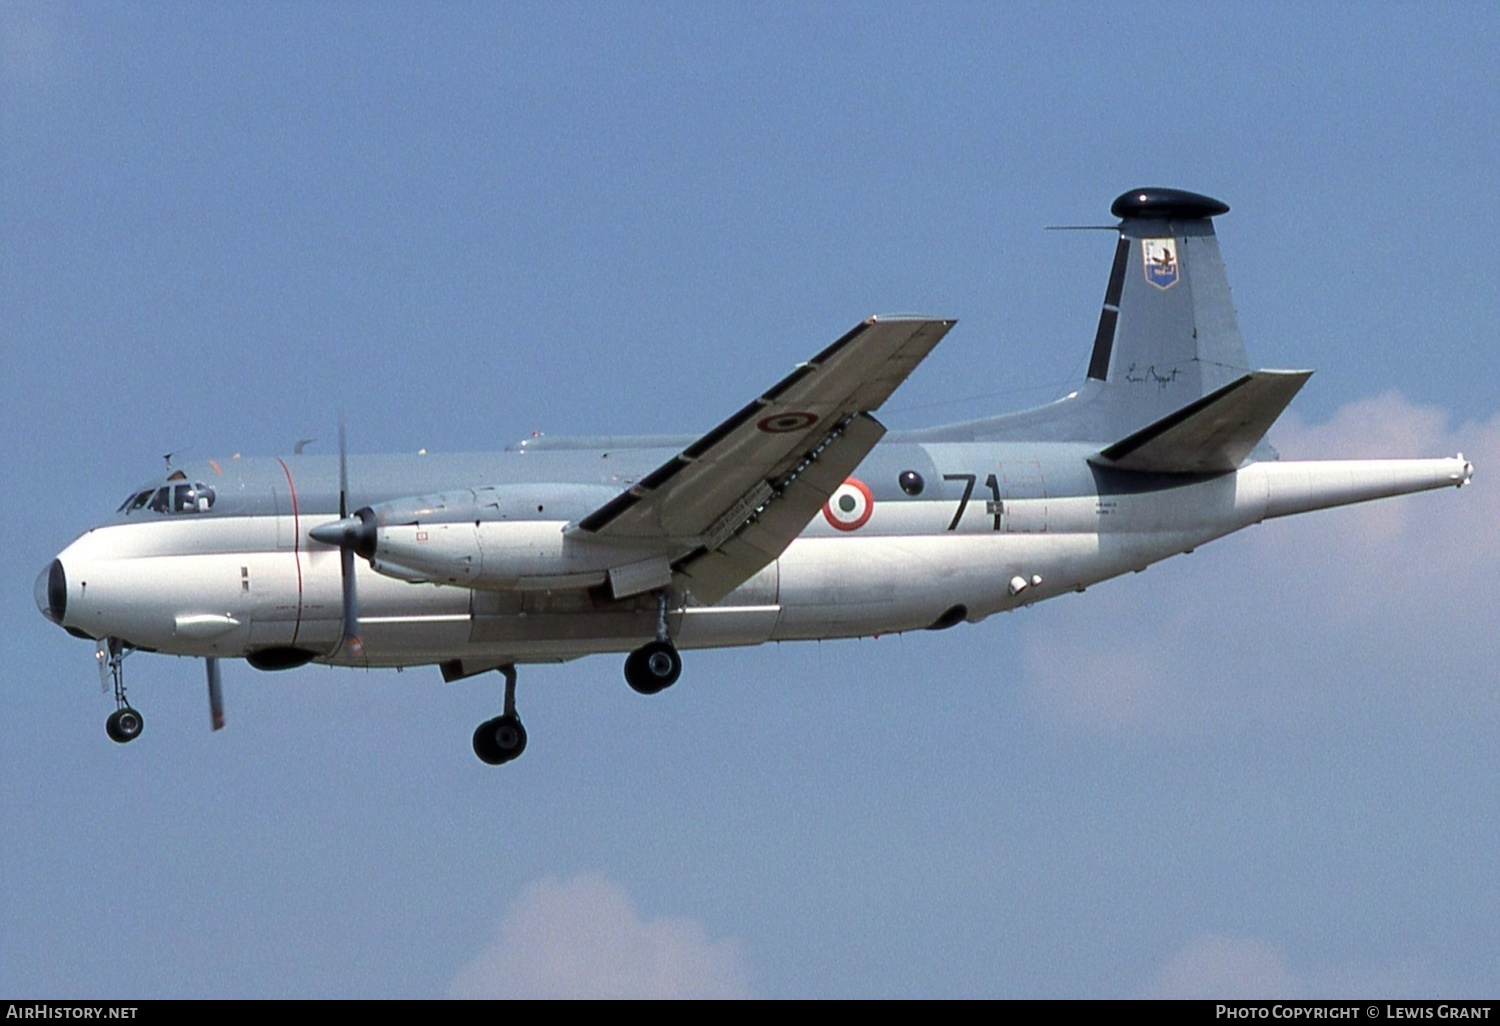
(850, 506)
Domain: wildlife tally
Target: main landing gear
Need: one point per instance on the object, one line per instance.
(124, 724)
(502, 739)
(653, 667)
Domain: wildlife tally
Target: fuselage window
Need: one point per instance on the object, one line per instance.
(160, 502)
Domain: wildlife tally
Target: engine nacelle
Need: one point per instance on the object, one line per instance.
(499, 538)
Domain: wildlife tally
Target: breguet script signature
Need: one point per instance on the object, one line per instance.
(1136, 376)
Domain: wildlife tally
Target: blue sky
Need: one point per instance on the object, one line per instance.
(1268, 767)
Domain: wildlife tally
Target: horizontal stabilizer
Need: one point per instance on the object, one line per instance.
(1213, 434)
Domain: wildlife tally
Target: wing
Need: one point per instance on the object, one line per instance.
(732, 501)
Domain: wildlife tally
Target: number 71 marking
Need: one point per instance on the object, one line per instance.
(994, 507)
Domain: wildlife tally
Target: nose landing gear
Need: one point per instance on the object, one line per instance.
(124, 724)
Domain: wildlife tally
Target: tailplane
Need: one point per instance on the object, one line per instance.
(1169, 388)
(1213, 434)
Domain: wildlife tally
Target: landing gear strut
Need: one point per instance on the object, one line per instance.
(655, 666)
(502, 739)
(124, 724)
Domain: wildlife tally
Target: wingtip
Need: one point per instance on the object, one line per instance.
(888, 318)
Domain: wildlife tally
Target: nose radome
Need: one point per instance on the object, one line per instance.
(51, 591)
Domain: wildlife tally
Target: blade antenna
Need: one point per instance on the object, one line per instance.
(215, 693)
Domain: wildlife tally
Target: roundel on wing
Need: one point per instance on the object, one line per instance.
(784, 423)
(850, 506)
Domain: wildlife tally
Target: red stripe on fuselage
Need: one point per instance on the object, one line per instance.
(296, 545)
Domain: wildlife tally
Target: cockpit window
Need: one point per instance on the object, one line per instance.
(193, 498)
(182, 498)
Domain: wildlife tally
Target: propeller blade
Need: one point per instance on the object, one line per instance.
(343, 469)
(346, 543)
(215, 693)
(351, 605)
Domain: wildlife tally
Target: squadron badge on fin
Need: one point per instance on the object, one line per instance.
(1160, 258)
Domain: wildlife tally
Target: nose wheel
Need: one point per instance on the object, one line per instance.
(502, 739)
(124, 725)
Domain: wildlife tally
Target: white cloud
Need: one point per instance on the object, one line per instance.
(1224, 967)
(1232, 968)
(584, 938)
(1454, 541)
(1396, 601)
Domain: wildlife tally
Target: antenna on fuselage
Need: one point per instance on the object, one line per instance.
(302, 443)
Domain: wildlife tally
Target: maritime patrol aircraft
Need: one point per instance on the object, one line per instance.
(798, 517)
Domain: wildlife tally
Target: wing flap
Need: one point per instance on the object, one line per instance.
(1213, 434)
(712, 572)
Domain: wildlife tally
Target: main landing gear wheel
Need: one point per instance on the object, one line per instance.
(653, 667)
(124, 725)
(500, 740)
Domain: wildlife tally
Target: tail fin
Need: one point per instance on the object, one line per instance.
(1168, 334)
(1168, 383)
